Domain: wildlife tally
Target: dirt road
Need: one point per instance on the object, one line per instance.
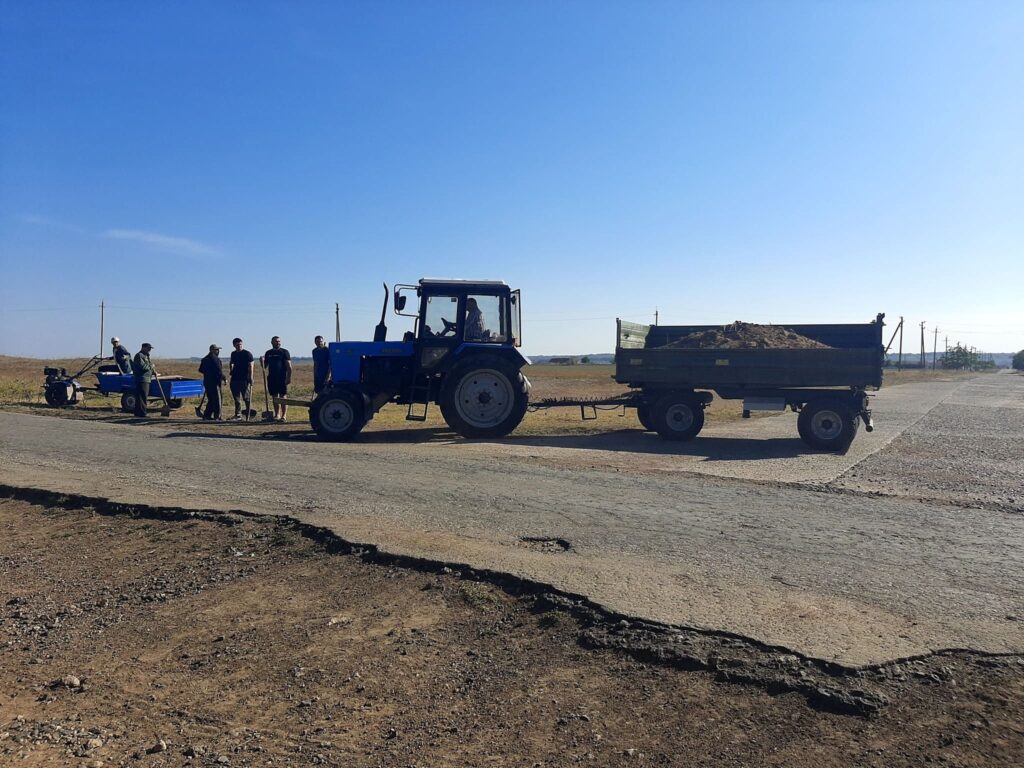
(134, 640)
(843, 576)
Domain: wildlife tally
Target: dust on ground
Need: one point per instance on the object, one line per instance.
(134, 641)
(740, 335)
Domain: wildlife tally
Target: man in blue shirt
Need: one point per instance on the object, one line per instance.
(321, 365)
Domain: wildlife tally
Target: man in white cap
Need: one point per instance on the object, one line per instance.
(121, 356)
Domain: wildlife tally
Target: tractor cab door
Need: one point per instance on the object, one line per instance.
(440, 329)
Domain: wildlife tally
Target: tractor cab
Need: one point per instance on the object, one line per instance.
(461, 326)
(451, 314)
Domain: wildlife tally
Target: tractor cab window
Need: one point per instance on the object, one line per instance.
(485, 319)
(441, 317)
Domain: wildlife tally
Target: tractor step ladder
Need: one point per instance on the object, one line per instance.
(420, 387)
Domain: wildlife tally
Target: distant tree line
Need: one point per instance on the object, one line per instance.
(1018, 361)
(961, 358)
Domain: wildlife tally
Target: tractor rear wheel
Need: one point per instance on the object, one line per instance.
(678, 416)
(337, 415)
(484, 396)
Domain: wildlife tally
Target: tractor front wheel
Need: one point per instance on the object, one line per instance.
(337, 415)
(484, 396)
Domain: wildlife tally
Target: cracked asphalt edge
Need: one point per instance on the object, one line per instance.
(730, 658)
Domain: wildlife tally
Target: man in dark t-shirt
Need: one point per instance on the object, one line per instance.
(278, 361)
(321, 365)
(240, 370)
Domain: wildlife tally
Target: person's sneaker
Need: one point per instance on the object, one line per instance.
(237, 417)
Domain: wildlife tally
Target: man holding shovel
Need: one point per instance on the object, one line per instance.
(240, 374)
(142, 369)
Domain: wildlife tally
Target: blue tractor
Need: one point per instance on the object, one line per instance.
(462, 355)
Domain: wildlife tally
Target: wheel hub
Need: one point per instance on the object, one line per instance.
(826, 425)
(337, 416)
(484, 398)
(679, 417)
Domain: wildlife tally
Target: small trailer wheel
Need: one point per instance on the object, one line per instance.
(175, 403)
(337, 415)
(828, 425)
(678, 416)
(128, 402)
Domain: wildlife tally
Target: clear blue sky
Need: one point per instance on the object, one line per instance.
(220, 168)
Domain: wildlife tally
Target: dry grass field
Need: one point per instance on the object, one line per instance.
(21, 379)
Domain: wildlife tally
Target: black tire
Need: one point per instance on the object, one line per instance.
(828, 425)
(678, 416)
(56, 394)
(484, 396)
(128, 402)
(643, 414)
(175, 403)
(337, 414)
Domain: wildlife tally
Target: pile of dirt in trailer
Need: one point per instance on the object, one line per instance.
(740, 335)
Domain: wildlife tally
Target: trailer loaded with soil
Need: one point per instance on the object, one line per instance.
(822, 372)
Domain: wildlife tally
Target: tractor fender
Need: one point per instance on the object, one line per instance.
(509, 353)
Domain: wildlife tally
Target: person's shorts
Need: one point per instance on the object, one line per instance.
(240, 388)
(278, 386)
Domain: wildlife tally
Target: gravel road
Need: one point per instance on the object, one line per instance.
(849, 577)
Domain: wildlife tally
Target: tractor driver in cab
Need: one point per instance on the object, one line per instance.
(475, 330)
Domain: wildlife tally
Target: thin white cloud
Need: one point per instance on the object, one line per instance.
(46, 221)
(180, 246)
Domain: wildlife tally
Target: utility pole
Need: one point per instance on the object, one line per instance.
(337, 322)
(923, 366)
(102, 308)
(899, 365)
(935, 347)
(655, 315)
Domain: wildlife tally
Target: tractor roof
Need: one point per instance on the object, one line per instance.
(433, 284)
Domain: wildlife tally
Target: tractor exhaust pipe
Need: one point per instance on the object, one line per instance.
(380, 333)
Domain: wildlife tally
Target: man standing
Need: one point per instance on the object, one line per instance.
(278, 361)
(240, 374)
(142, 369)
(213, 376)
(321, 365)
(121, 356)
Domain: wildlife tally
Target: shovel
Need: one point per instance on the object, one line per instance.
(166, 410)
(268, 415)
(199, 408)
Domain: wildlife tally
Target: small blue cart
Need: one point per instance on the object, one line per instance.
(175, 388)
(62, 389)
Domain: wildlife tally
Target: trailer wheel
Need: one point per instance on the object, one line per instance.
(128, 402)
(678, 416)
(337, 415)
(175, 403)
(643, 415)
(484, 396)
(828, 425)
